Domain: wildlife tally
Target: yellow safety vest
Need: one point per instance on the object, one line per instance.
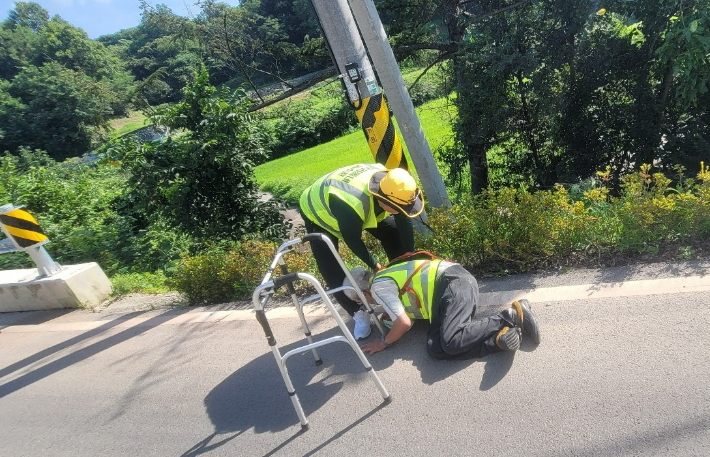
(349, 184)
(415, 280)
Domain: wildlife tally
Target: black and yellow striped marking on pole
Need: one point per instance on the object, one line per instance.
(22, 227)
(374, 117)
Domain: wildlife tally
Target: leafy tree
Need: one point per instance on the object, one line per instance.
(17, 45)
(550, 91)
(296, 17)
(57, 41)
(27, 14)
(55, 109)
(9, 105)
(58, 88)
(201, 180)
(162, 52)
(681, 46)
(241, 38)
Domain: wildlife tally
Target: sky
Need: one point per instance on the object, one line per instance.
(102, 17)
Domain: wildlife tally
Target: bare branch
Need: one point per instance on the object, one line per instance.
(298, 88)
(268, 73)
(492, 13)
(440, 58)
(234, 56)
(443, 47)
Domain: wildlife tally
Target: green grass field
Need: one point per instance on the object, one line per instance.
(134, 121)
(288, 176)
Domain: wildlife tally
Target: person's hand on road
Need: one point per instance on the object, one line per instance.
(373, 347)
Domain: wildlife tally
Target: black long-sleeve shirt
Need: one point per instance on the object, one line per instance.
(351, 228)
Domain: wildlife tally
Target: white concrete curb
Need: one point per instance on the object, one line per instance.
(550, 294)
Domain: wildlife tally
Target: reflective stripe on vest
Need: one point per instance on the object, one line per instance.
(348, 184)
(418, 296)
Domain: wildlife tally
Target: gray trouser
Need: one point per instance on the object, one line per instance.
(454, 331)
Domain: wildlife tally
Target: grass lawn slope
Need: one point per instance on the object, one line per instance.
(288, 176)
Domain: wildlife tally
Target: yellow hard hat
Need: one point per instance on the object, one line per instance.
(397, 188)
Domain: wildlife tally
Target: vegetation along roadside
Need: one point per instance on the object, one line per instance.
(567, 135)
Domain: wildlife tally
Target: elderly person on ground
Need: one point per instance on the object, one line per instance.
(422, 286)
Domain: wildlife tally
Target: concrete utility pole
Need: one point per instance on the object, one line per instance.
(350, 57)
(370, 25)
(346, 46)
(340, 30)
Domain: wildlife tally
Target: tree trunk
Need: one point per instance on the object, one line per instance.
(478, 164)
(476, 153)
(663, 97)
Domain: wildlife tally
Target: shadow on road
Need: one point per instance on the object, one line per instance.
(255, 395)
(207, 445)
(76, 356)
(412, 347)
(31, 317)
(61, 346)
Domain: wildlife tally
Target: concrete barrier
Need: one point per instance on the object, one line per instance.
(74, 286)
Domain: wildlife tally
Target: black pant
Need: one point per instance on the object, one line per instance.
(454, 331)
(387, 234)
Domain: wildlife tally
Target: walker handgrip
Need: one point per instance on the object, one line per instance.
(285, 279)
(312, 237)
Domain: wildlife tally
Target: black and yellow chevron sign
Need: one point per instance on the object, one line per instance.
(22, 227)
(374, 117)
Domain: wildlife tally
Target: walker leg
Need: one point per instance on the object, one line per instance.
(355, 347)
(290, 389)
(379, 325)
(306, 330)
(299, 309)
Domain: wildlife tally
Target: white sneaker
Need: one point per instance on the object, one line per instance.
(362, 325)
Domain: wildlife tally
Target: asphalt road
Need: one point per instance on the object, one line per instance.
(622, 370)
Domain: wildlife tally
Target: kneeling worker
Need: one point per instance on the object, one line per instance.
(421, 286)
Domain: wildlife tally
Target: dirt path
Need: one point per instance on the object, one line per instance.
(291, 214)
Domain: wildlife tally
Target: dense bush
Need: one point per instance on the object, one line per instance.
(295, 125)
(69, 202)
(147, 283)
(220, 275)
(307, 123)
(516, 230)
(199, 180)
(651, 212)
(75, 203)
(433, 84)
(232, 272)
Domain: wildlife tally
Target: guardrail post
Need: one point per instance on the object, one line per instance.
(25, 234)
